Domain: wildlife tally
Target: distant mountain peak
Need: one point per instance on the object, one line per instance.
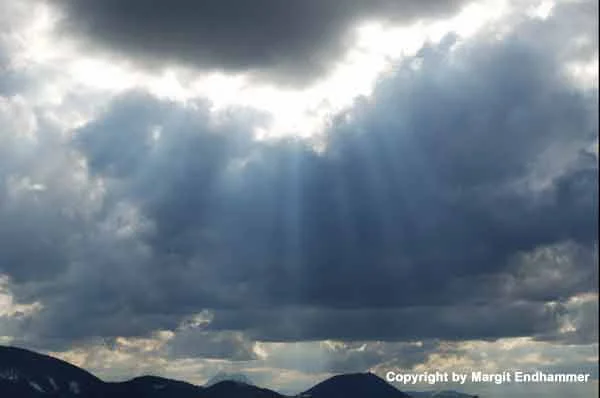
(224, 376)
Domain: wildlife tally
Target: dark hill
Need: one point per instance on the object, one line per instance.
(153, 387)
(357, 385)
(27, 374)
(231, 389)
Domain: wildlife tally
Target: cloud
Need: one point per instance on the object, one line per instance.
(42, 199)
(91, 236)
(579, 321)
(289, 42)
(192, 343)
(322, 357)
(14, 17)
(458, 202)
(458, 322)
(551, 273)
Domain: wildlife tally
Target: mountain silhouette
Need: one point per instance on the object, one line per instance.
(234, 389)
(152, 387)
(26, 374)
(357, 385)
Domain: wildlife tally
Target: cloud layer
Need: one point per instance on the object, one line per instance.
(292, 41)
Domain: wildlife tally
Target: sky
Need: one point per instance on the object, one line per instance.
(297, 190)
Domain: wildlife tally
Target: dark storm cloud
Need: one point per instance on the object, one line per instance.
(459, 322)
(421, 219)
(282, 40)
(432, 199)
